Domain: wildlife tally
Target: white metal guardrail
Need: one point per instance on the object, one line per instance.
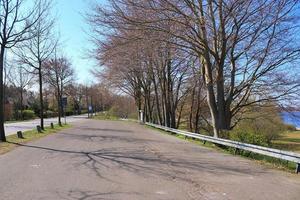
(275, 153)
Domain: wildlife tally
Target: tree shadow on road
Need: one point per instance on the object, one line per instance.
(147, 163)
(84, 195)
(85, 128)
(107, 138)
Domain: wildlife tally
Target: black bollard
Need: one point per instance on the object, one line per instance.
(52, 126)
(20, 135)
(39, 129)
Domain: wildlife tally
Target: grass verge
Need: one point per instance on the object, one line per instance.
(13, 140)
(289, 141)
(260, 159)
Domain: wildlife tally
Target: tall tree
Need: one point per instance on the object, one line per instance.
(245, 50)
(20, 78)
(16, 25)
(76, 92)
(59, 73)
(39, 48)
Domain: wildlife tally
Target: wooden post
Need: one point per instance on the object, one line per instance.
(20, 135)
(38, 128)
(52, 125)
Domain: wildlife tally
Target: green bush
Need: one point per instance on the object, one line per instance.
(28, 114)
(250, 137)
(50, 113)
(133, 115)
(69, 111)
(114, 111)
(105, 116)
(118, 112)
(261, 124)
(259, 131)
(84, 111)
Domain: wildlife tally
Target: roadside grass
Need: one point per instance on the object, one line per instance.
(15, 121)
(289, 141)
(260, 159)
(32, 135)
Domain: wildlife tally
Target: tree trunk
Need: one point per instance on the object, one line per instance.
(157, 104)
(197, 115)
(213, 110)
(139, 107)
(59, 107)
(41, 96)
(150, 111)
(59, 98)
(21, 103)
(159, 117)
(2, 131)
(91, 97)
(192, 110)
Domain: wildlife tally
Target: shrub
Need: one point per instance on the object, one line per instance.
(261, 124)
(50, 113)
(84, 111)
(248, 136)
(69, 111)
(114, 111)
(28, 114)
(290, 127)
(119, 112)
(133, 115)
(259, 131)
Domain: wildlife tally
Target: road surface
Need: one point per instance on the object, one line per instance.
(126, 161)
(13, 128)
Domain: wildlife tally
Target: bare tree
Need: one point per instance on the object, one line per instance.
(59, 73)
(38, 49)
(20, 78)
(245, 50)
(153, 72)
(15, 26)
(76, 92)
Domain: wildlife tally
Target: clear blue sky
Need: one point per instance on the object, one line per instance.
(75, 40)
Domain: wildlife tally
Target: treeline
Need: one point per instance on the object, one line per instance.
(35, 75)
(201, 64)
(25, 104)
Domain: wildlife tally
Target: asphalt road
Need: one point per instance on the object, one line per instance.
(126, 161)
(13, 128)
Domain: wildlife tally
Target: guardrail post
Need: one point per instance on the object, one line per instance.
(297, 168)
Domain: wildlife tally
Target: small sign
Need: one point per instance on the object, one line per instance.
(64, 101)
(90, 108)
